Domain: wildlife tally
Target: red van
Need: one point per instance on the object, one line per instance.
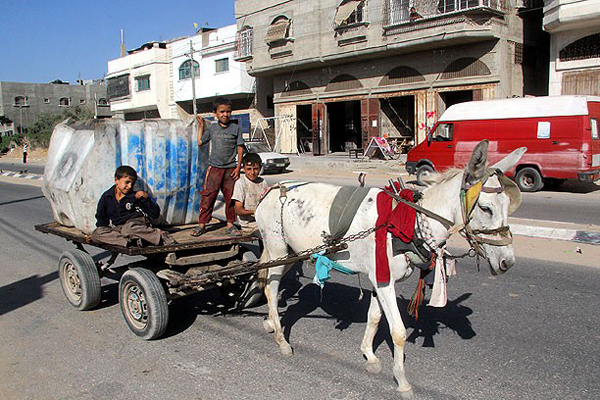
(560, 133)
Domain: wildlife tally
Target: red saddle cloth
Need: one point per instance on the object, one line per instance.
(400, 222)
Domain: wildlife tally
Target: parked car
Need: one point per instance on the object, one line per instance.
(271, 161)
(560, 133)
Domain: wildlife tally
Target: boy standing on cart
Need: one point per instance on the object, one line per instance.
(226, 142)
(121, 216)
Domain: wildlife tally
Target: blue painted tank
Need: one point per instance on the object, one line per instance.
(83, 156)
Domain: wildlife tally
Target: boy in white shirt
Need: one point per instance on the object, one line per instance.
(247, 192)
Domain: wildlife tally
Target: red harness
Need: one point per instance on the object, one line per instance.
(399, 221)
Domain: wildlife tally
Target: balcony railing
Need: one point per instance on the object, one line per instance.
(402, 11)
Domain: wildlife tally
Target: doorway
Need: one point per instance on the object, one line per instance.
(398, 118)
(304, 128)
(448, 99)
(344, 121)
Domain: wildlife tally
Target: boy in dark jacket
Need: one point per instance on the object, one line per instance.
(121, 214)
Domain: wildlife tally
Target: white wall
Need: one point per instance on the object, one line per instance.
(221, 44)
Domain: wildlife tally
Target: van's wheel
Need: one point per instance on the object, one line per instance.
(553, 183)
(244, 292)
(423, 171)
(529, 180)
(79, 279)
(143, 303)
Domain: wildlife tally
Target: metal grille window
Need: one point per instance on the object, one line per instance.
(222, 65)
(582, 49)
(399, 11)
(464, 67)
(185, 69)
(244, 43)
(118, 86)
(142, 83)
(446, 6)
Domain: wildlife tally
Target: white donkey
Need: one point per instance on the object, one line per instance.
(298, 222)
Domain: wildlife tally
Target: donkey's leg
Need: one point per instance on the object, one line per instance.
(273, 322)
(373, 365)
(387, 298)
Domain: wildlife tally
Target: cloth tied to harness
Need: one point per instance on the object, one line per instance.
(323, 266)
(399, 221)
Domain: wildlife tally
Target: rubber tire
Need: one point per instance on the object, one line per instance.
(423, 170)
(144, 282)
(529, 180)
(245, 293)
(85, 272)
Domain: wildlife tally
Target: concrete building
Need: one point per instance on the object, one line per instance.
(349, 70)
(21, 103)
(215, 73)
(139, 83)
(574, 27)
(155, 80)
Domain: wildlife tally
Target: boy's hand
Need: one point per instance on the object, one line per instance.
(140, 194)
(235, 174)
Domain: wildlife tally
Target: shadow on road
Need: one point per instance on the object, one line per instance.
(21, 293)
(573, 186)
(21, 200)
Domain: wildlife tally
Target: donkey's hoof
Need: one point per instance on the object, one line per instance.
(286, 350)
(406, 393)
(268, 326)
(373, 367)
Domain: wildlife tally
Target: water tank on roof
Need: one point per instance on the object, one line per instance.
(83, 156)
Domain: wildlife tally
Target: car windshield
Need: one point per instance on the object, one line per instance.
(257, 147)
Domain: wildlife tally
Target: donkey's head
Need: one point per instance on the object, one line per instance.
(489, 198)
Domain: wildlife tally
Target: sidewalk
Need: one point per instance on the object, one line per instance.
(342, 162)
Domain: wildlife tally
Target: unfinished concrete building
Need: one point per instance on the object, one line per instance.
(349, 70)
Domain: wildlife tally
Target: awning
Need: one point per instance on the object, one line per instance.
(278, 31)
(345, 10)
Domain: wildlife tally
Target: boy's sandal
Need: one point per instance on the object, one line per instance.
(233, 231)
(198, 231)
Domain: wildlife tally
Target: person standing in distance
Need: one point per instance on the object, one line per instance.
(25, 151)
(226, 143)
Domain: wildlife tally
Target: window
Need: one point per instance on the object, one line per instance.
(64, 102)
(21, 101)
(278, 32)
(350, 12)
(222, 65)
(46, 100)
(594, 125)
(442, 133)
(582, 49)
(399, 11)
(81, 101)
(102, 101)
(185, 70)
(244, 43)
(118, 86)
(142, 83)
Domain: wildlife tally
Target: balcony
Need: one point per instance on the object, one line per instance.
(433, 24)
(243, 48)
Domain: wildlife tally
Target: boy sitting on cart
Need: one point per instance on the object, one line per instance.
(248, 191)
(122, 214)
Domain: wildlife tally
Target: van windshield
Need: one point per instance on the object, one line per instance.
(442, 133)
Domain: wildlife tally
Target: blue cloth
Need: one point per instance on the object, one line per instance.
(323, 266)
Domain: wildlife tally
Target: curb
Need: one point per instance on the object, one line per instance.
(571, 235)
(22, 175)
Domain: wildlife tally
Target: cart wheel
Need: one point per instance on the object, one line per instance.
(143, 303)
(244, 292)
(79, 279)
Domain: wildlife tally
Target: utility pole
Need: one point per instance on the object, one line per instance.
(191, 54)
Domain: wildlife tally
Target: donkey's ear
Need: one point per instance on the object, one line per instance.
(510, 160)
(478, 163)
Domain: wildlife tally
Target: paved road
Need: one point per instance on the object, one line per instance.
(529, 334)
(15, 166)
